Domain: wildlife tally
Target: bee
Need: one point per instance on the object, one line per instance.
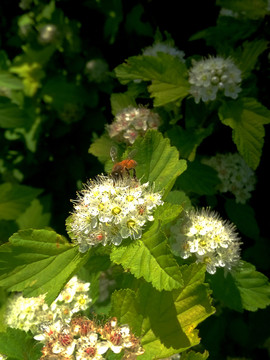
(123, 168)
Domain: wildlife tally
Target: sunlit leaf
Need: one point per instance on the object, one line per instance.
(38, 262)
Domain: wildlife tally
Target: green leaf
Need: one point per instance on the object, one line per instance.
(179, 197)
(198, 178)
(243, 216)
(10, 81)
(168, 212)
(151, 259)
(101, 148)
(11, 116)
(38, 262)
(248, 57)
(18, 344)
(246, 117)
(34, 217)
(167, 74)
(191, 355)
(14, 199)
(242, 288)
(158, 162)
(121, 101)
(165, 321)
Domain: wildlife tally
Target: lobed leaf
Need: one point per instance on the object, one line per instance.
(244, 288)
(167, 74)
(165, 321)
(246, 117)
(151, 259)
(37, 262)
(158, 162)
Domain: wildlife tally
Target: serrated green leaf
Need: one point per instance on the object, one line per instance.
(167, 74)
(168, 212)
(165, 321)
(248, 57)
(191, 355)
(11, 116)
(180, 198)
(254, 287)
(246, 117)
(14, 199)
(243, 216)
(198, 178)
(158, 162)
(101, 147)
(38, 262)
(121, 101)
(18, 344)
(151, 259)
(242, 288)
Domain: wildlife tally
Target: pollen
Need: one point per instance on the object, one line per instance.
(116, 210)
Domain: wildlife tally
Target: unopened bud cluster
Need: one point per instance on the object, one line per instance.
(235, 175)
(107, 211)
(28, 313)
(164, 47)
(214, 75)
(87, 339)
(212, 240)
(131, 122)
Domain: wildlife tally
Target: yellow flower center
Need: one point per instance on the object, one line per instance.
(130, 198)
(116, 210)
(131, 224)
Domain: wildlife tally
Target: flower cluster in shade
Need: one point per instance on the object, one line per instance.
(164, 47)
(214, 75)
(106, 212)
(87, 339)
(132, 122)
(235, 175)
(97, 70)
(206, 235)
(28, 313)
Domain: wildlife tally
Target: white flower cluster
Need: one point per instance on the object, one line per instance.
(235, 175)
(212, 240)
(3, 357)
(86, 339)
(108, 212)
(164, 48)
(210, 76)
(131, 122)
(28, 313)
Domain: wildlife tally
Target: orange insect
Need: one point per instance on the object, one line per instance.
(123, 167)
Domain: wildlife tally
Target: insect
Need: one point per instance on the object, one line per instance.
(122, 168)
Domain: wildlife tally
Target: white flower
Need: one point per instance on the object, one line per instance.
(163, 48)
(107, 212)
(214, 75)
(235, 175)
(131, 122)
(28, 313)
(212, 240)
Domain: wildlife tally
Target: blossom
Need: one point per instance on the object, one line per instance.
(131, 122)
(107, 212)
(28, 313)
(235, 175)
(163, 47)
(214, 75)
(212, 240)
